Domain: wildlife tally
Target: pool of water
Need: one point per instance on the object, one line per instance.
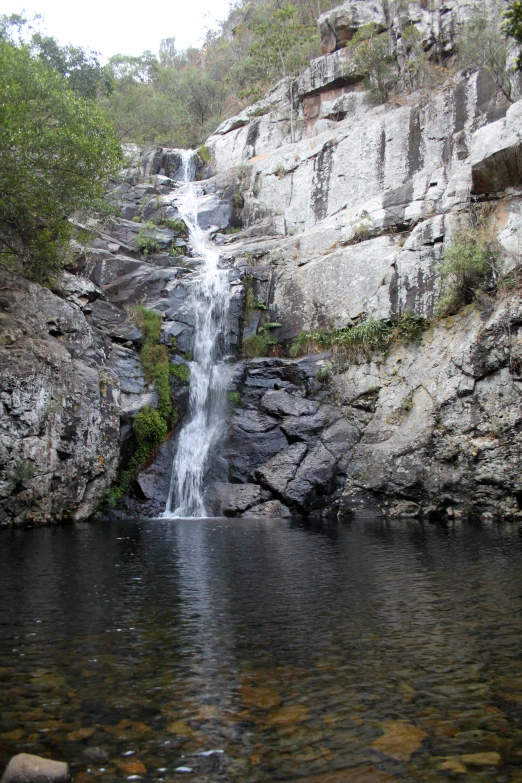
(258, 650)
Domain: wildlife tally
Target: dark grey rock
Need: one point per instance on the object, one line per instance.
(236, 498)
(26, 768)
(272, 509)
(304, 428)
(245, 454)
(340, 437)
(114, 321)
(281, 469)
(280, 403)
(314, 474)
(253, 421)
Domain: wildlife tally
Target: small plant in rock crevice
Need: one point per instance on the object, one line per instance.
(361, 340)
(21, 471)
(154, 357)
(181, 372)
(235, 398)
(145, 242)
(470, 264)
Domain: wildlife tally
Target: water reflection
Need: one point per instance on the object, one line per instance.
(366, 651)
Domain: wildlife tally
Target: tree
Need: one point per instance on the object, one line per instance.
(513, 25)
(80, 67)
(373, 58)
(56, 155)
(275, 51)
(483, 45)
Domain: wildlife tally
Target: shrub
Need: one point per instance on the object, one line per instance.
(235, 398)
(469, 264)
(483, 45)
(136, 219)
(205, 154)
(373, 59)
(22, 471)
(179, 226)
(324, 373)
(145, 242)
(181, 372)
(261, 344)
(155, 357)
(150, 430)
(63, 148)
(363, 339)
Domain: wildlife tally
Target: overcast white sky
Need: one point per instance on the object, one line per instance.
(117, 27)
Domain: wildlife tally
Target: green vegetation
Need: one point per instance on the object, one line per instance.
(362, 340)
(150, 426)
(205, 154)
(179, 226)
(155, 358)
(324, 373)
(178, 97)
(257, 345)
(57, 152)
(181, 372)
(261, 344)
(150, 430)
(22, 471)
(373, 58)
(483, 43)
(513, 25)
(470, 264)
(235, 398)
(145, 241)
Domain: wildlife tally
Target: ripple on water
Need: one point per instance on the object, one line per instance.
(361, 652)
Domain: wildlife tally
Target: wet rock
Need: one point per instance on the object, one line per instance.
(453, 766)
(132, 768)
(285, 716)
(26, 768)
(252, 421)
(96, 755)
(400, 740)
(260, 698)
(80, 734)
(114, 321)
(272, 509)
(489, 759)
(404, 508)
(235, 498)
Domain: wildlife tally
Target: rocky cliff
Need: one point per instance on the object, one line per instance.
(328, 210)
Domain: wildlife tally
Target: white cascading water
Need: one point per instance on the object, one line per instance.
(209, 300)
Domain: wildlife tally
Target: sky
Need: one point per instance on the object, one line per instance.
(116, 27)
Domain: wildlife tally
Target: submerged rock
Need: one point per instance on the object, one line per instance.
(26, 768)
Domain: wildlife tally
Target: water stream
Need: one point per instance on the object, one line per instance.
(209, 300)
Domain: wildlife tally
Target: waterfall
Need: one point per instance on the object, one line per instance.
(208, 300)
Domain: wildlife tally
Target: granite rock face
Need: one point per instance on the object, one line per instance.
(59, 409)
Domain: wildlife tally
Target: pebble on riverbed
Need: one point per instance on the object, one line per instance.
(26, 768)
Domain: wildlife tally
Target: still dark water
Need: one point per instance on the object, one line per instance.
(361, 652)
